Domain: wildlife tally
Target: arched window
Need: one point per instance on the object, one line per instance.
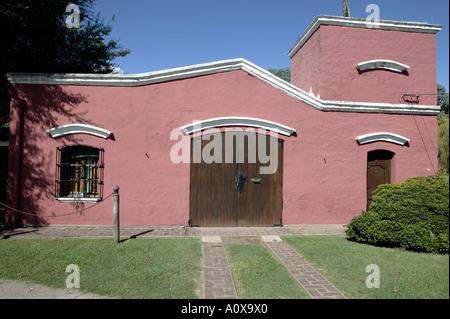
(79, 173)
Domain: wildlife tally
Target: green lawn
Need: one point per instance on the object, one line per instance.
(258, 274)
(162, 268)
(403, 274)
(166, 268)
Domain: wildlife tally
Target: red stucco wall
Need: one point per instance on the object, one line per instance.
(324, 167)
(326, 64)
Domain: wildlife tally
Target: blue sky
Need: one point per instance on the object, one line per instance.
(163, 34)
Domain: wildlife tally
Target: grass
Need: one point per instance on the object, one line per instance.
(259, 275)
(171, 268)
(163, 268)
(403, 274)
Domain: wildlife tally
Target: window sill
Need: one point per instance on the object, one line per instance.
(78, 199)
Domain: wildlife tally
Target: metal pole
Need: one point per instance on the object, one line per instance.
(116, 213)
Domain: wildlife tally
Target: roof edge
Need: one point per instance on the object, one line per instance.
(134, 80)
(392, 25)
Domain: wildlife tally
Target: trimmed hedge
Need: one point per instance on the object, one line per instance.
(413, 215)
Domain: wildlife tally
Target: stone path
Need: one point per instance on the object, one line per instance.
(218, 281)
(168, 231)
(315, 285)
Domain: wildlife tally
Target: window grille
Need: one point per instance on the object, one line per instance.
(79, 172)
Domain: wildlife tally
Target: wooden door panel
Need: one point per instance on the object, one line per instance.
(260, 203)
(213, 199)
(378, 171)
(214, 196)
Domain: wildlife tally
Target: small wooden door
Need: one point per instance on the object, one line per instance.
(378, 171)
(236, 194)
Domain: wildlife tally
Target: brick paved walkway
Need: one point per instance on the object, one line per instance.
(218, 281)
(315, 285)
(168, 231)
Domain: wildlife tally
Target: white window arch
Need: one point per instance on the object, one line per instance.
(236, 121)
(78, 129)
(382, 136)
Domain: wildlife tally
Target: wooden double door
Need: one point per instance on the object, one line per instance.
(231, 191)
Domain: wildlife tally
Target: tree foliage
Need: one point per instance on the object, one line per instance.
(442, 98)
(443, 128)
(284, 73)
(35, 39)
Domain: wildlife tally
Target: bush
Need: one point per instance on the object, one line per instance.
(413, 215)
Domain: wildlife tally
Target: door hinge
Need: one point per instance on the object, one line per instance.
(280, 224)
(190, 224)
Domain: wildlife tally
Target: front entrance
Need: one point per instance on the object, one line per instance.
(378, 171)
(231, 191)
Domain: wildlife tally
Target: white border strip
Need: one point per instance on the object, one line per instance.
(236, 121)
(382, 136)
(362, 23)
(216, 67)
(78, 199)
(382, 64)
(78, 129)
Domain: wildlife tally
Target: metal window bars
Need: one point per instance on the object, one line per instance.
(79, 172)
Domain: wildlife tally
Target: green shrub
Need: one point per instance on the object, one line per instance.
(413, 215)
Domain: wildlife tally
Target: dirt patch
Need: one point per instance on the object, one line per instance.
(12, 289)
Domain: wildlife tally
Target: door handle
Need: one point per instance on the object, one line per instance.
(256, 180)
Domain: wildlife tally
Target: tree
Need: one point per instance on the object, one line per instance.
(36, 39)
(443, 129)
(442, 98)
(284, 73)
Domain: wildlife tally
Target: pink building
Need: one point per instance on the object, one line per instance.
(227, 143)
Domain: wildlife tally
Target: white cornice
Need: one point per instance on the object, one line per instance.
(362, 23)
(213, 68)
(236, 121)
(78, 199)
(127, 79)
(78, 129)
(382, 64)
(382, 136)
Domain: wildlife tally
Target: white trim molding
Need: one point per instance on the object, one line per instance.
(78, 199)
(362, 23)
(78, 129)
(383, 65)
(217, 67)
(236, 121)
(382, 136)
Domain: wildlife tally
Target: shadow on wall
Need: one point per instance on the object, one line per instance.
(36, 108)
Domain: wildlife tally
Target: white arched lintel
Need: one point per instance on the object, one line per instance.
(236, 121)
(382, 136)
(383, 65)
(78, 129)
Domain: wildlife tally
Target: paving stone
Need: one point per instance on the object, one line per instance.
(315, 285)
(218, 281)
